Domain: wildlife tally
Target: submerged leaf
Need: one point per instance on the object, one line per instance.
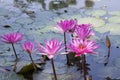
(26, 68)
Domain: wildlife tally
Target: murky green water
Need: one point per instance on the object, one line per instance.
(36, 19)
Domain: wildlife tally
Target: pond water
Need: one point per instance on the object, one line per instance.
(36, 19)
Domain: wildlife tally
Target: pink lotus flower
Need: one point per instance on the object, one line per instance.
(52, 47)
(28, 46)
(84, 31)
(82, 47)
(66, 25)
(11, 38)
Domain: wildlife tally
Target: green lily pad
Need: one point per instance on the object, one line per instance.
(115, 13)
(112, 27)
(96, 22)
(70, 16)
(57, 19)
(102, 29)
(7, 61)
(96, 13)
(66, 76)
(50, 35)
(114, 19)
(4, 12)
(35, 25)
(47, 29)
(2, 61)
(24, 20)
(10, 76)
(26, 57)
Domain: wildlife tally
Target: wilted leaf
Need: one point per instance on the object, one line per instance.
(108, 44)
(24, 67)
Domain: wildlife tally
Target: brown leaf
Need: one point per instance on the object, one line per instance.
(108, 44)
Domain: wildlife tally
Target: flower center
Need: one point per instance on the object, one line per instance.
(28, 51)
(81, 46)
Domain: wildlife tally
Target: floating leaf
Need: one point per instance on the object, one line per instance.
(26, 57)
(50, 35)
(24, 20)
(96, 22)
(10, 76)
(63, 73)
(112, 27)
(48, 29)
(3, 69)
(35, 25)
(110, 71)
(70, 16)
(4, 12)
(96, 13)
(23, 67)
(114, 19)
(115, 13)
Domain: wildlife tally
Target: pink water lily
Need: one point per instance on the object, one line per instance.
(52, 47)
(11, 38)
(66, 25)
(82, 47)
(28, 46)
(84, 31)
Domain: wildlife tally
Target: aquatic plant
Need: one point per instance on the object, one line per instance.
(51, 48)
(66, 26)
(29, 47)
(84, 31)
(12, 38)
(82, 47)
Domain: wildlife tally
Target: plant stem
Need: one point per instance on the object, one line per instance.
(14, 51)
(52, 62)
(72, 37)
(32, 61)
(108, 52)
(83, 66)
(107, 57)
(67, 57)
(15, 66)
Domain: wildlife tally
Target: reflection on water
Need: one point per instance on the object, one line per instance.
(31, 17)
(89, 3)
(49, 4)
(110, 5)
(57, 5)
